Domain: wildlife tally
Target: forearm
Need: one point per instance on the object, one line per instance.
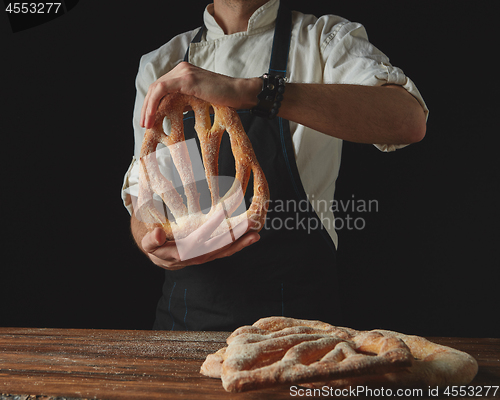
(363, 114)
(138, 230)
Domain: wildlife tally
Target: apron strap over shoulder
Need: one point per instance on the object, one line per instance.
(281, 41)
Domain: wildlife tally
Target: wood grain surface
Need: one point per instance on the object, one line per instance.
(57, 364)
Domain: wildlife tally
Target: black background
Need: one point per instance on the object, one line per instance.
(426, 261)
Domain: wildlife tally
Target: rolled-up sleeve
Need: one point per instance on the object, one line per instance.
(130, 187)
(351, 59)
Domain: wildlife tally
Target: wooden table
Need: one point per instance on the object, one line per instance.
(110, 364)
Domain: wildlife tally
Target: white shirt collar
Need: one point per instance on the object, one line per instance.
(263, 18)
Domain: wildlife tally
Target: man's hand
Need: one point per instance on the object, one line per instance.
(165, 253)
(215, 88)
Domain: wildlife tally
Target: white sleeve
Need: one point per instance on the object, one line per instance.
(130, 186)
(352, 59)
(152, 66)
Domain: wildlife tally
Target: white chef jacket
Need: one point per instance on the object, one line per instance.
(329, 49)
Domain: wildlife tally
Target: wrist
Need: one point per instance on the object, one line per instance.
(250, 88)
(271, 96)
(138, 230)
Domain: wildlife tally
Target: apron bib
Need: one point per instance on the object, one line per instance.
(291, 270)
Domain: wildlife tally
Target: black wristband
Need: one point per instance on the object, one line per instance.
(273, 87)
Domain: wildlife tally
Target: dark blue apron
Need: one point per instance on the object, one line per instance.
(291, 270)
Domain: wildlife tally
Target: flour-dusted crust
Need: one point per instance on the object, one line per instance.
(188, 217)
(212, 366)
(284, 351)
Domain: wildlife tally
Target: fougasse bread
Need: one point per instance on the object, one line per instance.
(285, 351)
(186, 218)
